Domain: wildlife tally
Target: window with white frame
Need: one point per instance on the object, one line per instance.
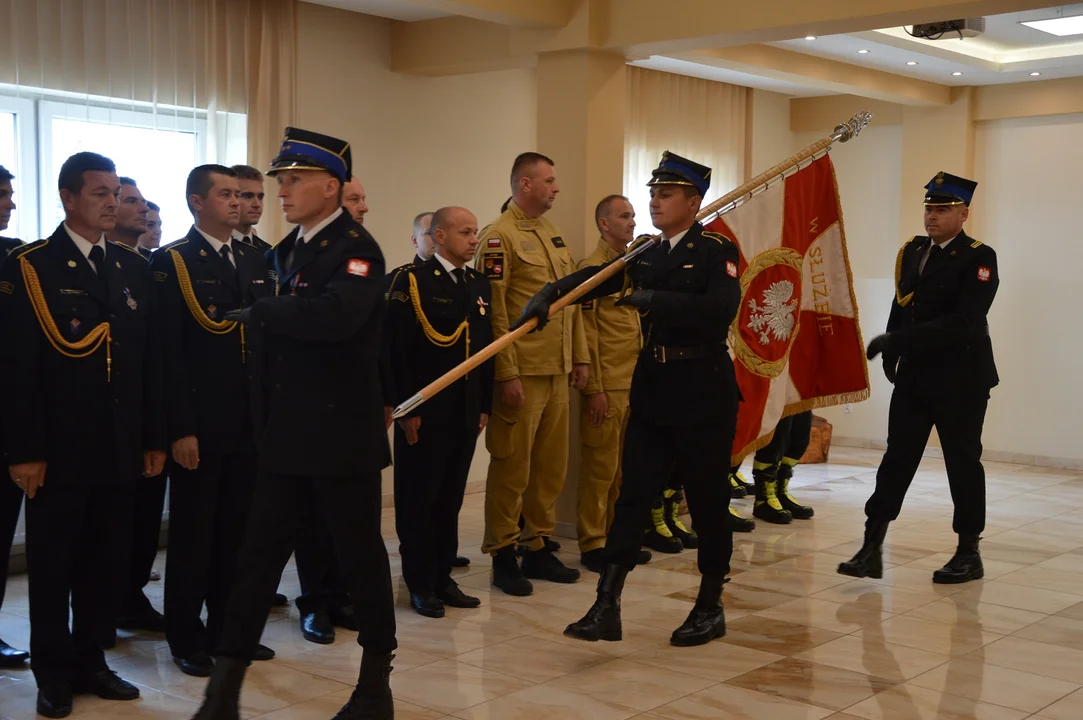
(154, 145)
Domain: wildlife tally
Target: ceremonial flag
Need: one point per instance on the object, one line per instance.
(795, 342)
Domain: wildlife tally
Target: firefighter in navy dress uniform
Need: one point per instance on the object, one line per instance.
(938, 354)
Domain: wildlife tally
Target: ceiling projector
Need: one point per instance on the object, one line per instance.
(968, 27)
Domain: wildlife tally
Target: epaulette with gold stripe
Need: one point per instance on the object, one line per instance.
(26, 249)
(716, 236)
(129, 249)
(394, 278)
(903, 300)
(976, 244)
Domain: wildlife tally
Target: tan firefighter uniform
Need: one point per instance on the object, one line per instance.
(528, 445)
(614, 341)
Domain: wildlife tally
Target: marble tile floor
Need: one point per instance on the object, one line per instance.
(803, 643)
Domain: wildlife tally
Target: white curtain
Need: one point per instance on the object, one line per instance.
(701, 120)
(159, 86)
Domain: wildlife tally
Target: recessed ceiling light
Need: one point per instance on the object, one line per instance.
(1060, 27)
(1035, 74)
(956, 73)
(912, 62)
(862, 52)
(810, 37)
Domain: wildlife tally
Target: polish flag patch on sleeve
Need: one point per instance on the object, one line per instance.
(731, 268)
(494, 242)
(358, 267)
(984, 273)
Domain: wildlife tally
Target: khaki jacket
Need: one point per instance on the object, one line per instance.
(613, 335)
(519, 254)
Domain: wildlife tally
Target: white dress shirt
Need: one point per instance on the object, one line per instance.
(306, 237)
(929, 251)
(217, 245)
(85, 246)
(672, 242)
(448, 266)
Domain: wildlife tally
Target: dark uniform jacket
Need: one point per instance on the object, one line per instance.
(387, 376)
(7, 245)
(317, 403)
(90, 419)
(696, 297)
(411, 341)
(145, 252)
(257, 242)
(206, 377)
(938, 322)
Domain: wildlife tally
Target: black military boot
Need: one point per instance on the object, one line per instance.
(672, 500)
(658, 536)
(371, 699)
(741, 524)
(965, 565)
(869, 560)
(799, 511)
(768, 507)
(602, 621)
(506, 573)
(707, 620)
(223, 694)
(544, 565)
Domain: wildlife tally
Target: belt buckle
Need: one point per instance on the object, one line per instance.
(660, 354)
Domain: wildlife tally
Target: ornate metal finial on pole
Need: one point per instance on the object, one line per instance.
(853, 126)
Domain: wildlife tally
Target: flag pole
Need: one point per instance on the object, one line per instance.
(843, 132)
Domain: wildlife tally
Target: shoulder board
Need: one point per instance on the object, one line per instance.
(976, 244)
(26, 249)
(174, 244)
(715, 236)
(133, 251)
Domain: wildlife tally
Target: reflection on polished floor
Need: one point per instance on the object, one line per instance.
(804, 643)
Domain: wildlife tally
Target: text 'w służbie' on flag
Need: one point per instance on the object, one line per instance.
(796, 341)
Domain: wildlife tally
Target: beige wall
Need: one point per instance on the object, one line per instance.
(1026, 208)
(418, 143)
(771, 140)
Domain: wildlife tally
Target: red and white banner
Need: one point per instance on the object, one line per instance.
(796, 342)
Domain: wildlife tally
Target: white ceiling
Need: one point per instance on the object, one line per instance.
(391, 9)
(1008, 52)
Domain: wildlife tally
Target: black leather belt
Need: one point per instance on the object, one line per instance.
(669, 353)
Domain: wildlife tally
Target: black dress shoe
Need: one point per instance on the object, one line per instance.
(12, 658)
(869, 560)
(344, 617)
(317, 628)
(263, 654)
(54, 701)
(965, 565)
(460, 561)
(427, 605)
(453, 596)
(707, 620)
(280, 600)
(198, 664)
(371, 698)
(107, 685)
(602, 621)
(150, 620)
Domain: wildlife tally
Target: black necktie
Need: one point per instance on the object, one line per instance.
(665, 246)
(97, 256)
(225, 253)
(934, 251)
(460, 277)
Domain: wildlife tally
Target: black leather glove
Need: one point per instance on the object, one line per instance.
(243, 316)
(637, 298)
(891, 366)
(537, 307)
(881, 344)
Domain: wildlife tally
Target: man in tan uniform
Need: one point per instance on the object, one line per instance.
(614, 340)
(527, 437)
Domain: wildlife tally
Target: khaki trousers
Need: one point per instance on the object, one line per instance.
(600, 470)
(528, 446)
